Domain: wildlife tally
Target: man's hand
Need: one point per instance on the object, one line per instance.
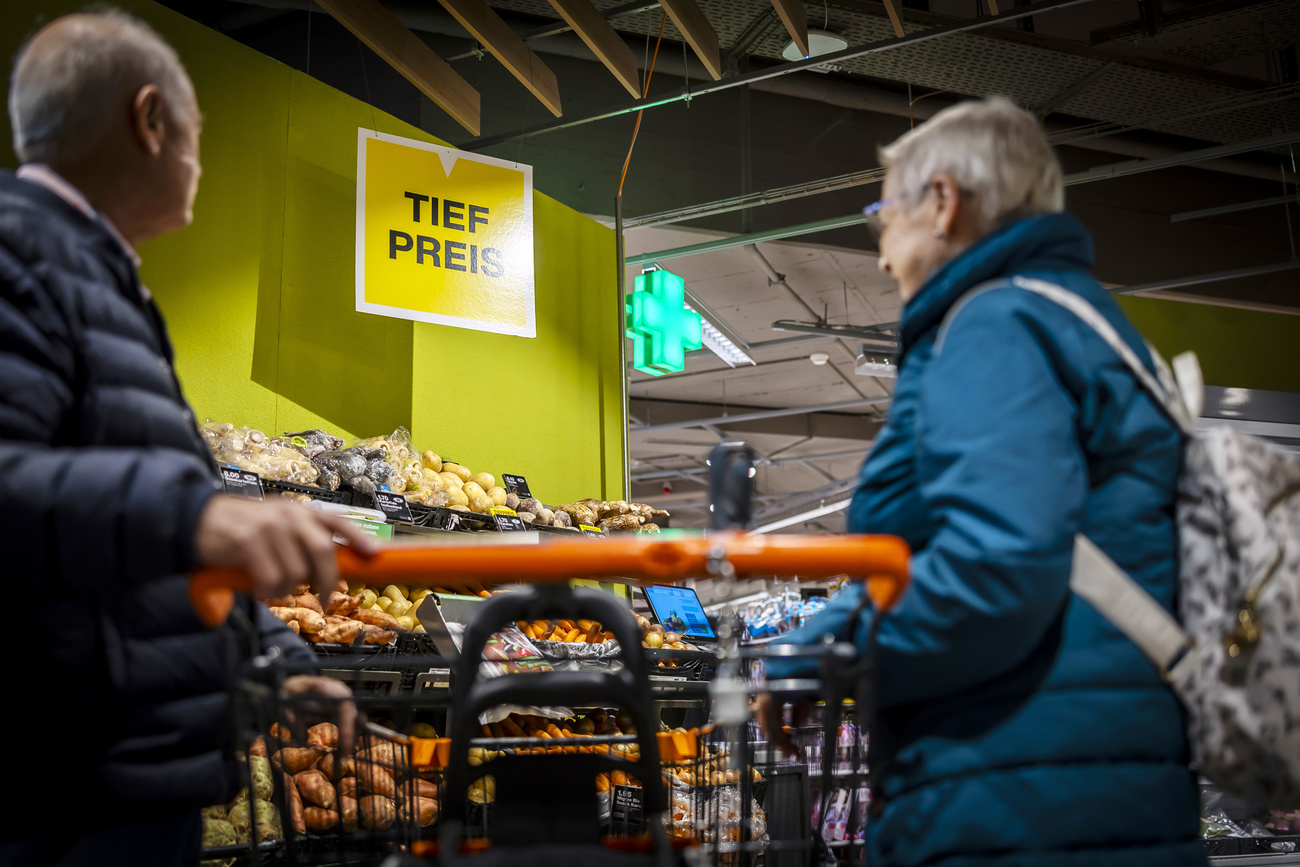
(767, 711)
(280, 544)
(334, 705)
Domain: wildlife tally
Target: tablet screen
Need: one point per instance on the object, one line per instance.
(678, 609)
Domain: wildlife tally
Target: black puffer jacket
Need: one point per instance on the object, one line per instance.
(120, 693)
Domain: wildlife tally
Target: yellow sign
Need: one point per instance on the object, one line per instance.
(444, 236)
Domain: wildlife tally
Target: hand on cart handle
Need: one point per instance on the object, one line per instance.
(277, 545)
(883, 560)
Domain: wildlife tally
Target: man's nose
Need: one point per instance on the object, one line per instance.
(883, 264)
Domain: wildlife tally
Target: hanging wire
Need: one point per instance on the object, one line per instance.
(309, 42)
(1290, 232)
(650, 71)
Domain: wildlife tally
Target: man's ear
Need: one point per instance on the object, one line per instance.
(947, 198)
(147, 116)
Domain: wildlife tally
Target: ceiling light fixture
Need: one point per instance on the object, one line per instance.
(718, 343)
(873, 363)
(819, 358)
(819, 42)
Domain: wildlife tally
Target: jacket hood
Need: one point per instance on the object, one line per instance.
(1042, 243)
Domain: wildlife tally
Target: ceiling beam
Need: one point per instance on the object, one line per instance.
(795, 18)
(895, 10)
(504, 44)
(798, 423)
(603, 40)
(559, 27)
(699, 33)
(758, 415)
(401, 49)
(960, 26)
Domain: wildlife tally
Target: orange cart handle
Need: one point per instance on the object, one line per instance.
(882, 560)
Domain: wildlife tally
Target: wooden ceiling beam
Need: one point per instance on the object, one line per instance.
(895, 10)
(504, 44)
(401, 49)
(603, 40)
(699, 33)
(795, 17)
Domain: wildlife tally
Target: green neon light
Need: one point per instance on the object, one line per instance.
(661, 328)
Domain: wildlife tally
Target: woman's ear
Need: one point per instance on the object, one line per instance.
(948, 204)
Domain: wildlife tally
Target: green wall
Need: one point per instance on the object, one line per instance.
(259, 291)
(1237, 348)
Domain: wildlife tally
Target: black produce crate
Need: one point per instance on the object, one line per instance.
(438, 518)
(324, 495)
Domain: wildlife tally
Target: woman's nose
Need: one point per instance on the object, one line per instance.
(883, 264)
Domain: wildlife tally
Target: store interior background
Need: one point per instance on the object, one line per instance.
(259, 292)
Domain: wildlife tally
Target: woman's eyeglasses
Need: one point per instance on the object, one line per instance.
(872, 211)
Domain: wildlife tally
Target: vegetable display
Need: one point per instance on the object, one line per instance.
(250, 815)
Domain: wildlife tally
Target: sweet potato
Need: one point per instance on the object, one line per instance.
(340, 633)
(375, 635)
(374, 617)
(348, 813)
(295, 760)
(308, 600)
(421, 810)
(384, 753)
(295, 804)
(336, 768)
(323, 735)
(342, 603)
(316, 789)
(374, 779)
(281, 733)
(258, 748)
(376, 813)
(348, 788)
(294, 627)
(280, 602)
(319, 821)
(308, 621)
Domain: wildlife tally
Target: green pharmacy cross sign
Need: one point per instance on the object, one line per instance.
(660, 325)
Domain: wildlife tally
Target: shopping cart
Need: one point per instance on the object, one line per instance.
(669, 789)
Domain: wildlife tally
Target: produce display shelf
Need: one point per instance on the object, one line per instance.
(324, 495)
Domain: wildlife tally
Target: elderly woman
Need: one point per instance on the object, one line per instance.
(1017, 726)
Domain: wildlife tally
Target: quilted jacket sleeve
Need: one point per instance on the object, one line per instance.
(1005, 480)
(79, 516)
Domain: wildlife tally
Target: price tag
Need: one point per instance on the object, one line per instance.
(588, 530)
(508, 520)
(625, 808)
(516, 485)
(242, 483)
(394, 506)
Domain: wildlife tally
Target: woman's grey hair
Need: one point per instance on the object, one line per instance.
(77, 76)
(990, 147)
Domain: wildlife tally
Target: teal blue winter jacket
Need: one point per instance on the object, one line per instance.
(1022, 728)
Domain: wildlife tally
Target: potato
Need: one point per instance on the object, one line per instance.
(498, 496)
(376, 813)
(473, 489)
(459, 508)
(459, 470)
(393, 592)
(431, 461)
(417, 595)
(316, 789)
(457, 497)
(348, 813)
(382, 603)
(398, 609)
(406, 623)
(320, 820)
(368, 598)
(323, 735)
(486, 481)
(481, 504)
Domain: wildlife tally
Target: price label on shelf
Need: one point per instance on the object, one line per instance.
(625, 808)
(394, 506)
(242, 483)
(508, 520)
(588, 530)
(516, 485)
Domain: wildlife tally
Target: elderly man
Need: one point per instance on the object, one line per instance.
(108, 495)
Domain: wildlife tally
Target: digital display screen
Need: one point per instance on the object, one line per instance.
(678, 609)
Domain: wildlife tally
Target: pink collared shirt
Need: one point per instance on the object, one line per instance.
(41, 174)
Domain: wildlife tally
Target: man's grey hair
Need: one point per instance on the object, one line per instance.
(990, 147)
(68, 87)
